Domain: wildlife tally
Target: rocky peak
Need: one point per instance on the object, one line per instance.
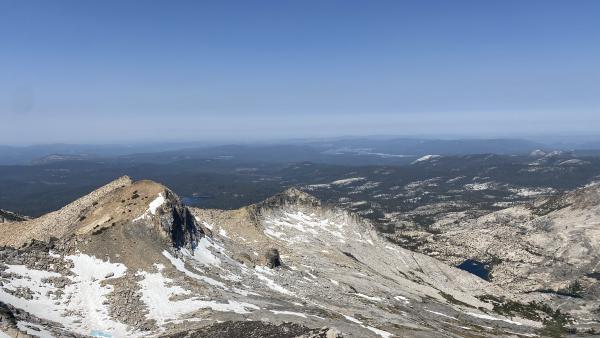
(585, 197)
(582, 198)
(178, 223)
(537, 153)
(147, 207)
(291, 196)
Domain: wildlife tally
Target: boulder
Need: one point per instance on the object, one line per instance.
(272, 259)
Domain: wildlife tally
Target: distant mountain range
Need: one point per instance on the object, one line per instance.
(369, 150)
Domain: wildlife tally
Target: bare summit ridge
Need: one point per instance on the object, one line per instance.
(118, 202)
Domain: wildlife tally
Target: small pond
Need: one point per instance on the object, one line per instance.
(477, 268)
(195, 201)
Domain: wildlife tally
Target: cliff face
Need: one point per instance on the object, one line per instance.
(9, 216)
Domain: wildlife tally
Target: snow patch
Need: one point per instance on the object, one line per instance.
(157, 292)
(206, 224)
(299, 227)
(478, 186)
(88, 294)
(377, 331)
(289, 313)
(204, 255)
(154, 205)
(441, 314)
(402, 299)
(352, 319)
(223, 233)
(80, 308)
(373, 299)
(347, 181)
(426, 158)
(524, 192)
(488, 317)
(260, 273)
(180, 266)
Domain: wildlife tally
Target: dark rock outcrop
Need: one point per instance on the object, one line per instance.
(256, 329)
(9, 216)
(272, 259)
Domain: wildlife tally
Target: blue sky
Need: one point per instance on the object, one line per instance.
(113, 71)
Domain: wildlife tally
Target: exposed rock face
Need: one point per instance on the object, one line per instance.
(7, 319)
(329, 252)
(9, 216)
(9, 324)
(272, 258)
(257, 329)
(551, 247)
(131, 260)
(291, 196)
(179, 223)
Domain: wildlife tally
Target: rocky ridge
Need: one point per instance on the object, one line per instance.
(549, 247)
(131, 260)
(9, 216)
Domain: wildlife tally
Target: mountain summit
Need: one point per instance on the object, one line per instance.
(121, 206)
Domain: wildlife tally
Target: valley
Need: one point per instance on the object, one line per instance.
(447, 246)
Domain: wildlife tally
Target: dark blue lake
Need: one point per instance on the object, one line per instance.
(479, 269)
(195, 201)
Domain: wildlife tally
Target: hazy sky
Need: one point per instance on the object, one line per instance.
(112, 71)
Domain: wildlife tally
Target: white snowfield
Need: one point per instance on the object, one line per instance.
(479, 186)
(425, 158)
(81, 308)
(347, 181)
(524, 192)
(203, 253)
(158, 293)
(289, 313)
(298, 226)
